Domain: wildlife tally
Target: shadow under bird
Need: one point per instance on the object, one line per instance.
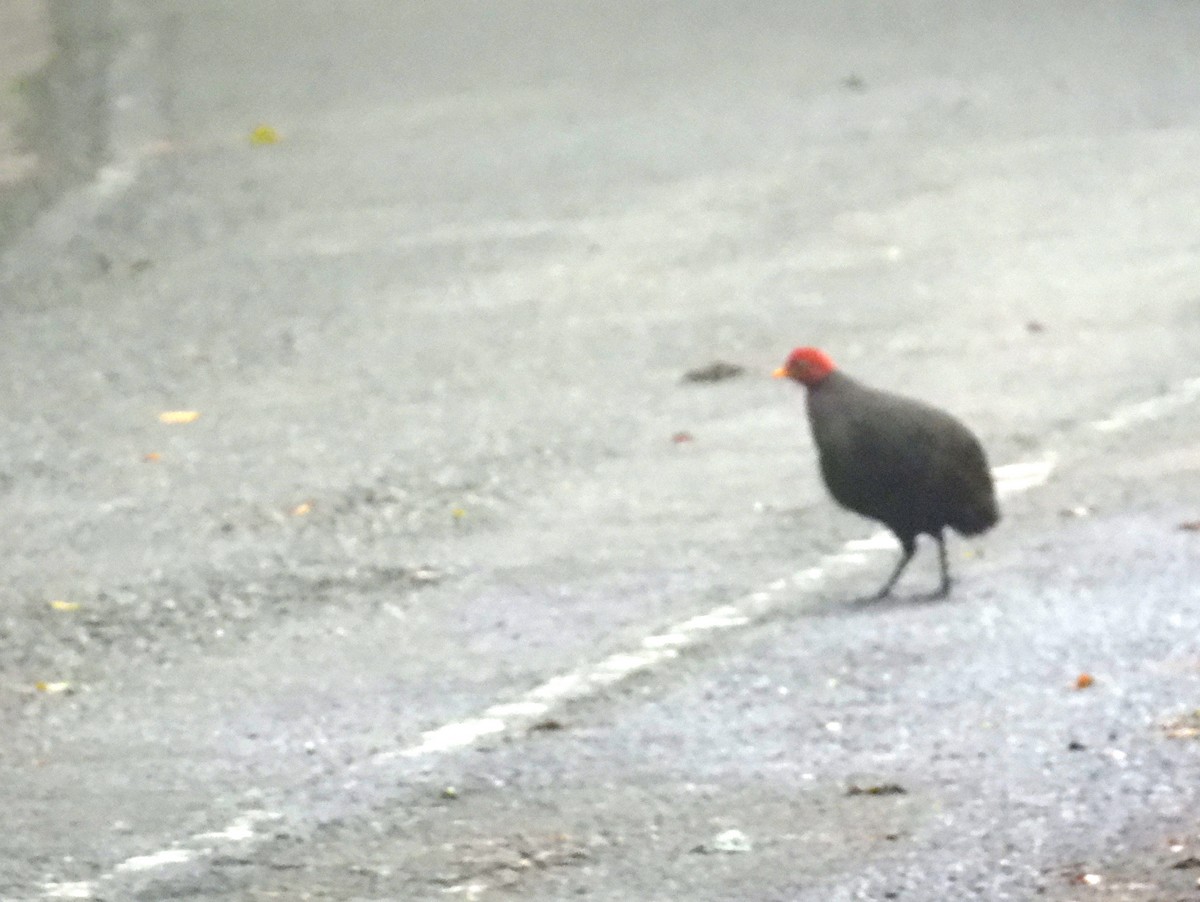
(914, 468)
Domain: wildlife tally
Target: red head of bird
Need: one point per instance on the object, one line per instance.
(808, 366)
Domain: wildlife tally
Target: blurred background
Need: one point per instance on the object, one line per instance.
(345, 395)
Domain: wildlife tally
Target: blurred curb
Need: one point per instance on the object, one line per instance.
(53, 132)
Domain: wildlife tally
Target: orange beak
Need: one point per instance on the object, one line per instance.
(780, 373)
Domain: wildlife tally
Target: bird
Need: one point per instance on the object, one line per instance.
(911, 466)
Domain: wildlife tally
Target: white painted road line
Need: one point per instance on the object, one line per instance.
(1021, 477)
(242, 830)
(1177, 396)
(586, 681)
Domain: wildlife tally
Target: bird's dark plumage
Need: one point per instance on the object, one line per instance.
(914, 468)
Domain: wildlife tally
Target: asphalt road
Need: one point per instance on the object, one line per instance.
(435, 337)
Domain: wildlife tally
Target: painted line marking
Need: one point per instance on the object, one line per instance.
(879, 541)
(1012, 479)
(157, 859)
(503, 717)
(666, 644)
(455, 736)
(1177, 396)
(240, 831)
(80, 890)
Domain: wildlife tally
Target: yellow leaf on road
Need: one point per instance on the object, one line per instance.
(51, 688)
(178, 417)
(59, 605)
(301, 509)
(264, 134)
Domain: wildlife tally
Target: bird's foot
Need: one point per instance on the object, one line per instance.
(941, 593)
(874, 597)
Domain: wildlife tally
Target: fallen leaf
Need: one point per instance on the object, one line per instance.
(1035, 327)
(680, 438)
(178, 417)
(51, 688)
(264, 135)
(1184, 727)
(1084, 680)
(301, 509)
(1186, 864)
(548, 725)
(1088, 879)
(458, 513)
(714, 372)
(59, 605)
(882, 789)
(151, 457)
(1190, 525)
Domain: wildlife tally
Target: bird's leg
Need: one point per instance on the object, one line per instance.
(944, 588)
(908, 547)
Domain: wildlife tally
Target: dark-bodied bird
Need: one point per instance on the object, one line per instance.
(912, 467)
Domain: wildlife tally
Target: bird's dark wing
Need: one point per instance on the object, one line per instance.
(873, 452)
(911, 466)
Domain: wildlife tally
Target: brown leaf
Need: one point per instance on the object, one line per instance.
(1084, 680)
(882, 789)
(716, 371)
(1190, 526)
